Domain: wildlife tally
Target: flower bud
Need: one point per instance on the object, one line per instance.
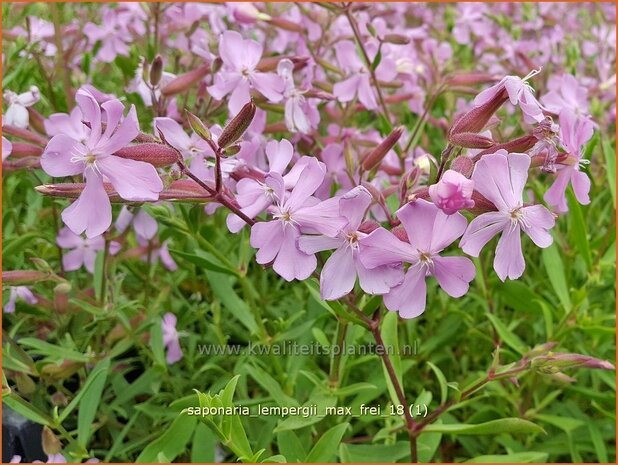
(51, 444)
(36, 120)
(156, 154)
(18, 277)
(198, 127)
(156, 71)
(368, 226)
(375, 157)
(25, 385)
(24, 134)
(555, 362)
(475, 120)
(23, 150)
(400, 233)
(467, 79)
(452, 193)
(470, 140)
(463, 165)
(397, 39)
(541, 349)
(519, 145)
(145, 70)
(235, 129)
(184, 81)
(286, 25)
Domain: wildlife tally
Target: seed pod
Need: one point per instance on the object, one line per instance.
(185, 81)
(198, 127)
(51, 444)
(375, 157)
(156, 71)
(235, 129)
(156, 154)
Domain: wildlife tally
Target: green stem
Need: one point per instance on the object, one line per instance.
(335, 363)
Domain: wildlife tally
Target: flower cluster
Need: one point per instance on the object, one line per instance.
(311, 181)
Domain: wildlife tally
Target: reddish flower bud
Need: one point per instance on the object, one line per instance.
(368, 226)
(185, 81)
(475, 120)
(156, 71)
(400, 233)
(153, 153)
(235, 129)
(24, 134)
(51, 444)
(397, 39)
(470, 140)
(286, 25)
(23, 150)
(468, 79)
(18, 277)
(519, 145)
(375, 157)
(36, 121)
(198, 127)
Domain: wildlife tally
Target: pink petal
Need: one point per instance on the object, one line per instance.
(346, 90)
(378, 280)
(509, 260)
(481, 230)
(338, 275)
(269, 85)
(538, 220)
(267, 237)
(309, 180)
(145, 225)
(92, 211)
(454, 274)
(73, 260)
(381, 247)
(122, 134)
(556, 194)
(67, 239)
(315, 244)
(56, 159)
(279, 155)
(353, 206)
(291, 263)
(581, 186)
(91, 113)
(173, 133)
(410, 296)
(133, 180)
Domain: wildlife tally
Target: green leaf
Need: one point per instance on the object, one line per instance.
(321, 400)
(503, 425)
(156, 343)
(27, 409)
(391, 343)
(49, 350)
(518, 457)
(204, 445)
(271, 386)
(374, 453)
(610, 162)
(100, 370)
(222, 288)
(290, 446)
(172, 442)
(577, 230)
(506, 335)
(325, 450)
(441, 380)
(555, 272)
(204, 260)
(97, 278)
(90, 401)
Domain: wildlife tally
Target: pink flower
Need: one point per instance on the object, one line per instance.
(300, 116)
(253, 195)
(430, 231)
(115, 31)
(340, 270)
(565, 93)
(93, 157)
(575, 131)
(19, 293)
(83, 251)
(170, 338)
(68, 124)
(501, 178)
(293, 213)
(359, 81)
(238, 76)
(17, 112)
(7, 148)
(452, 193)
(519, 93)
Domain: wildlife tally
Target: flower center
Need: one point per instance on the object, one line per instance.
(352, 239)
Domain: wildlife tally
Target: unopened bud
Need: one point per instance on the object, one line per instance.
(235, 129)
(286, 25)
(24, 134)
(555, 362)
(145, 70)
(24, 383)
(470, 140)
(156, 71)
(24, 150)
(467, 79)
(519, 145)
(36, 120)
(185, 81)
(58, 399)
(198, 127)
(51, 444)
(475, 120)
(158, 155)
(541, 349)
(231, 150)
(23, 277)
(371, 30)
(375, 157)
(463, 165)
(397, 39)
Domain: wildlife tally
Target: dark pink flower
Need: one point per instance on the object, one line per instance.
(452, 193)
